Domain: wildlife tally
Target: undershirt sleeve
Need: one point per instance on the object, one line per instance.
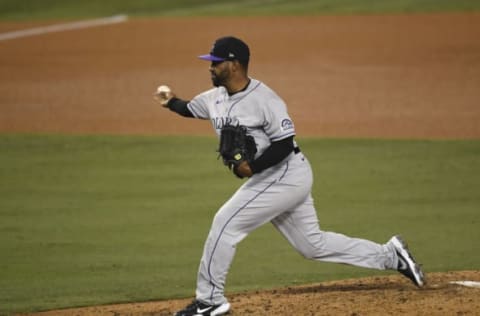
(276, 152)
(179, 106)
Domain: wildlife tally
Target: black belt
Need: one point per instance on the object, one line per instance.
(296, 150)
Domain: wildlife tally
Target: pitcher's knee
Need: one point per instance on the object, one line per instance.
(227, 230)
(219, 220)
(311, 248)
(308, 252)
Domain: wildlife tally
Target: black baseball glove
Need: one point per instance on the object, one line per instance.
(236, 146)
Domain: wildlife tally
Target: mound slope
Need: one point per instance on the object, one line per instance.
(385, 295)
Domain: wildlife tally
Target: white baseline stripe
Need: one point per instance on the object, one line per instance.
(63, 27)
(467, 283)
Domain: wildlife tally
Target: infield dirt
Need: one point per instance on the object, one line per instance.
(397, 76)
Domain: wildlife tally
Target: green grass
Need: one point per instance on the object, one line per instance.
(99, 219)
(67, 9)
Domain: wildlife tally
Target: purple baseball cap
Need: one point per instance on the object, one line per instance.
(228, 48)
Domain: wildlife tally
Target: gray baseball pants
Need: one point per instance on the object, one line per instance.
(280, 195)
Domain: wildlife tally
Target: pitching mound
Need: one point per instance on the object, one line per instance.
(386, 295)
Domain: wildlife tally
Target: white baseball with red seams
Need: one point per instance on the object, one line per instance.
(280, 194)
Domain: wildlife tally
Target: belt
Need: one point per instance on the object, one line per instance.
(296, 150)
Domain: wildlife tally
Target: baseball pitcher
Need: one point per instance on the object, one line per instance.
(256, 141)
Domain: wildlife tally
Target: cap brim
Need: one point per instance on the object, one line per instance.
(211, 58)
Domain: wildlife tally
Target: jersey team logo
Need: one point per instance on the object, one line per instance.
(287, 124)
(219, 122)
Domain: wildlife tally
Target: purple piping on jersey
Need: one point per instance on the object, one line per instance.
(229, 111)
(229, 220)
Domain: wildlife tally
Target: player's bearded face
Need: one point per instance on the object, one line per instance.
(220, 73)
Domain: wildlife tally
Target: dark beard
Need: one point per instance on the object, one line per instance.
(220, 79)
(216, 82)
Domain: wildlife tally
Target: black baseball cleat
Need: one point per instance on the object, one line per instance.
(197, 308)
(406, 263)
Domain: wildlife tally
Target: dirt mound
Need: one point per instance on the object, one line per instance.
(385, 295)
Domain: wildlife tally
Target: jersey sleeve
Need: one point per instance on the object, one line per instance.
(278, 124)
(199, 105)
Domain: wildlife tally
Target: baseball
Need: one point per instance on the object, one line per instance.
(163, 89)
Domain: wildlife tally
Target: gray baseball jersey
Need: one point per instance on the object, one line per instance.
(258, 108)
(280, 194)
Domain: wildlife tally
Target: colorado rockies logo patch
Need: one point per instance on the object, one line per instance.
(286, 124)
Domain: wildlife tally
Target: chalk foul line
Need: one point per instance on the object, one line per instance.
(63, 27)
(467, 283)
